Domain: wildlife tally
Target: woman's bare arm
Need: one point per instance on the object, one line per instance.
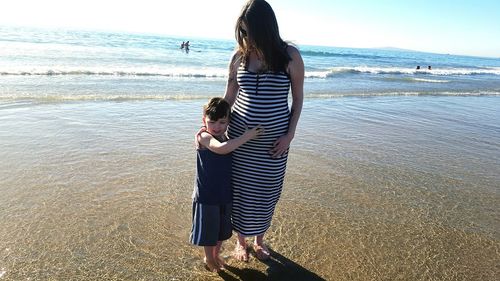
(296, 72)
(232, 84)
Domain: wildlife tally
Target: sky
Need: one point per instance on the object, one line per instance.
(463, 27)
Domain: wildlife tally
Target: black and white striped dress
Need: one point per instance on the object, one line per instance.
(257, 178)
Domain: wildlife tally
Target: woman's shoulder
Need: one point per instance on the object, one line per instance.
(296, 64)
(236, 60)
(236, 57)
(292, 50)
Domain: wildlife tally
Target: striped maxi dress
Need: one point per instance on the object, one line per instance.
(257, 178)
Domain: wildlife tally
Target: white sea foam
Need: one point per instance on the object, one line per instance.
(215, 72)
(430, 80)
(399, 70)
(116, 71)
(25, 100)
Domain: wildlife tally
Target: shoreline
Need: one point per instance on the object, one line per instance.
(102, 191)
(13, 100)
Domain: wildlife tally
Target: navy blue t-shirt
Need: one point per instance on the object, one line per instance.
(213, 178)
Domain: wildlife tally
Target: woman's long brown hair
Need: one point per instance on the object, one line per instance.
(257, 29)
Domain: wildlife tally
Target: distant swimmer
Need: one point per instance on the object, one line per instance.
(429, 67)
(418, 67)
(185, 46)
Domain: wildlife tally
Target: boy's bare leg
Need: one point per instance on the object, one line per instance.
(209, 260)
(217, 256)
(240, 251)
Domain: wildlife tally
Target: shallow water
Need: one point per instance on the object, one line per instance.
(379, 188)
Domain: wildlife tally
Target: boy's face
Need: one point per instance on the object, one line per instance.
(217, 127)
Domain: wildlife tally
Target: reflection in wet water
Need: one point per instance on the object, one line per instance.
(115, 204)
(328, 226)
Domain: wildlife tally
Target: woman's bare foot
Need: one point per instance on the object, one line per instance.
(261, 252)
(211, 265)
(240, 252)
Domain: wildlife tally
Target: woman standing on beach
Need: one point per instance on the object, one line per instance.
(261, 73)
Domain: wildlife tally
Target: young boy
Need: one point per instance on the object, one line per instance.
(212, 194)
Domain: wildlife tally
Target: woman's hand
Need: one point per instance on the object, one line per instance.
(281, 146)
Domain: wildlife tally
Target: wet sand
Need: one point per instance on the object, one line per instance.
(110, 200)
(396, 232)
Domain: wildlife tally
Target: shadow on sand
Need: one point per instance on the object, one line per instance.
(278, 268)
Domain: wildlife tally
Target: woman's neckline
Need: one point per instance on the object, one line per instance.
(263, 72)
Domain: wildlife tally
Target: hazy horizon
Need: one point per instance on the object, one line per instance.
(445, 27)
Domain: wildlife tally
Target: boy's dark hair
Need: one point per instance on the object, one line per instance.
(216, 108)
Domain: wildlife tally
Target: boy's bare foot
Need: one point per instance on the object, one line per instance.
(240, 252)
(261, 252)
(221, 263)
(211, 265)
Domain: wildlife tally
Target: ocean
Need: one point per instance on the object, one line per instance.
(117, 66)
(393, 173)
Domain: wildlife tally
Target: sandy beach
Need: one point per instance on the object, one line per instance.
(383, 188)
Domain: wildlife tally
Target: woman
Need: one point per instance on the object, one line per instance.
(261, 73)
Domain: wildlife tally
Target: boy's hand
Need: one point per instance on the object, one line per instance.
(197, 137)
(254, 132)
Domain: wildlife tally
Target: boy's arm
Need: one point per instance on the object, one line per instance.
(218, 147)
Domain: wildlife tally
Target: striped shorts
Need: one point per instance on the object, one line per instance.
(211, 223)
